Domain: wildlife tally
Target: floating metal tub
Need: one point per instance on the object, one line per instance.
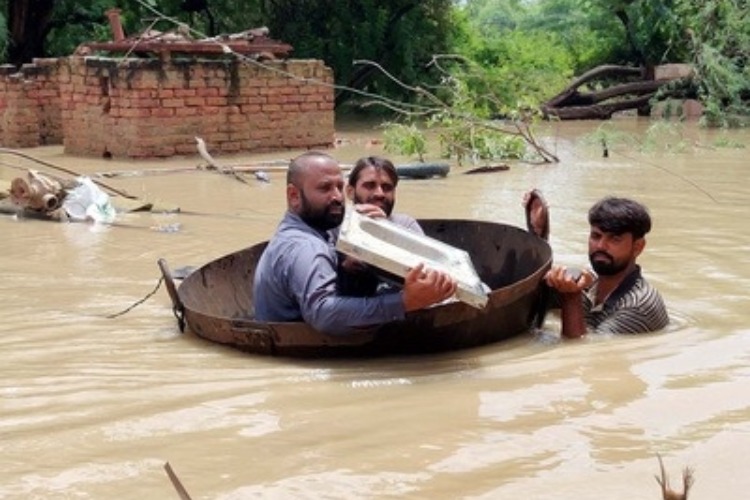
(216, 303)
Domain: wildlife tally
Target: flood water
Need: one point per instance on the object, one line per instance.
(93, 407)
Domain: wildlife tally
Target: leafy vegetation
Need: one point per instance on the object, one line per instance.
(667, 137)
(720, 36)
(607, 137)
(406, 140)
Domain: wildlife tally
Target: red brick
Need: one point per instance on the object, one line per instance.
(162, 112)
(186, 111)
(184, 92)
(172, 103)
(195, 101)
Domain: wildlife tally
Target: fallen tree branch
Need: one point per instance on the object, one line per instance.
(598, 72)
(271, 166)
(253, 168)
(635, 90)
(602, 111)
(203, 151)
(63, 169)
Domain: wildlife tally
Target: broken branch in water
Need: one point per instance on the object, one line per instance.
(184, 495)
(272, 166)
(62, 169)
(203, 151)
(488, 169)
(687, 482)
(252, 168)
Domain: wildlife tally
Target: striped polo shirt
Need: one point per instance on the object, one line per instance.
(633, 307)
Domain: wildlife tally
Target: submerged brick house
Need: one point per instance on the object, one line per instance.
(140, 108)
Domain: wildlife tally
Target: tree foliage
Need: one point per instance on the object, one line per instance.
(41, 28)
(27, 27)
(713, 36)
(526, 49)
(399, 35)
(719, 34)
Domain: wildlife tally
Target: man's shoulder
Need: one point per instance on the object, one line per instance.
(643, 287)
(296, 238)
(638, 308)
(400, 218)
(634, 292)
(406, 221)
(291, 239)
(643, 296)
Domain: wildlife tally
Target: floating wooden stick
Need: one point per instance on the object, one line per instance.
(184, 495)
(65, 170)
(253, 168)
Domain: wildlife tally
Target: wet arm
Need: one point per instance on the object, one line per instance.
(572, 316)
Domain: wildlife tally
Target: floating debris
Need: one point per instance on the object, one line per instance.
(174, 227)
(687, 482)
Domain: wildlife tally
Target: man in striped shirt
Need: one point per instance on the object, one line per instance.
(618, 299)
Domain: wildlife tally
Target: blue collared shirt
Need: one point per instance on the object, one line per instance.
(295, 280)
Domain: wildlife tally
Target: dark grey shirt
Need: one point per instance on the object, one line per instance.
(295, 280)
(633, 307)
(406, 221)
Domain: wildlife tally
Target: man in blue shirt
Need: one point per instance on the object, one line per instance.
(295, 279)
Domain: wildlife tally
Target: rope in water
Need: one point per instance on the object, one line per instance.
(138, 302)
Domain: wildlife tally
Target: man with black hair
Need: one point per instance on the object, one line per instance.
(373, 181)
(372, 187)
(617, 299)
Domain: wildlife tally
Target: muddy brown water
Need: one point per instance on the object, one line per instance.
(92, 407)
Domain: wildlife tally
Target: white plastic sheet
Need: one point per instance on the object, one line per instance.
(86, 202)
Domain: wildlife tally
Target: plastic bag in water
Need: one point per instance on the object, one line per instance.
(87, 202)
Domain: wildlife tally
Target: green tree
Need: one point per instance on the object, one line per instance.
(400, 36)
(713, 36)
(27, 28)
(73, 23)
(521, 62)
(41, 28)
(719, 36)
(586, 30)
(491, 17)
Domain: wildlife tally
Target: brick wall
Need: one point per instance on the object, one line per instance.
(140, 108)
(30, 105)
